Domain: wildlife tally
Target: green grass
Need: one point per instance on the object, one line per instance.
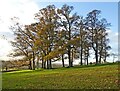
(91, 77)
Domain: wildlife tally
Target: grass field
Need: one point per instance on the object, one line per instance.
(92, 77)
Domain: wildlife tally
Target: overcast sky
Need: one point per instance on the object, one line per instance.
(25, 10)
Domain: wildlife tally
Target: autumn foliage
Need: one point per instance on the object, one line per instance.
(58, 32)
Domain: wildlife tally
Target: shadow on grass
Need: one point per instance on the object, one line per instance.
(63, 68)
(94, 65)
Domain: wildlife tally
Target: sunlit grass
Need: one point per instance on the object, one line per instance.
(96, 77)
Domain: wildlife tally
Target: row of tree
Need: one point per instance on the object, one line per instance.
(58, 32)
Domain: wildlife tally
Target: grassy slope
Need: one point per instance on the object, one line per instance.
(98, 77)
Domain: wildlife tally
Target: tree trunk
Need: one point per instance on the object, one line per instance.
(71, 63)
(69, 57)
(81, 52)
(96, 56)
(37, 64)
(6, 68)
(87, 60)
(50, 64)
(33, 64)
(30, 65)
(33, 61)
(72, 57)
(105, 59)
(100, 59)
(69, 47)
(42, 63)
(63, 60)
(47, 65)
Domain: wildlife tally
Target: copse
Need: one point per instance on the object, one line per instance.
(21, 44)
(67, 22)
(97, 29)
(58, 32)
(46, 33)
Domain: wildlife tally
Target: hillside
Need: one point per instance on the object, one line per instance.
(94, 77)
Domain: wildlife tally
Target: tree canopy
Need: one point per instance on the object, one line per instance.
(58, 32)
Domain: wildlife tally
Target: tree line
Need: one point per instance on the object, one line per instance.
(58, 32)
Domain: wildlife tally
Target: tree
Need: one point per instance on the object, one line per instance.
(103, 49)
(86, 51)
(29, 37)
(104, 41)
(97, 29)
(23, 43)
(67, 21)
(46, 32)
(114, 56)
(57, 32)
(83, 38)
(61, 41)
(84, 44)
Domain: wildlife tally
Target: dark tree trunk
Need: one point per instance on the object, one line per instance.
(72, 58)
(30, 65)
(96, 56)
(105, 59)
(69, 57)
(6, 68)
(63, 60)
(71, 63)
(42, 63)
(50, 64)
(96, 53)
(69, 47)
(100, 59)
(87, 60)
(33, 61)
(81, 52)
(47, 64)
(33, 64)
(37, 64)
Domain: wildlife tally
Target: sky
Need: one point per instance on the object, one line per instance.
(25, 10)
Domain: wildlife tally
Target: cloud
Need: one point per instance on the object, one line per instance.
(5, 49)
(113, 36)
(24, 10)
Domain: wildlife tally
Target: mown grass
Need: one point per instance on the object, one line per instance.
(94, 77)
